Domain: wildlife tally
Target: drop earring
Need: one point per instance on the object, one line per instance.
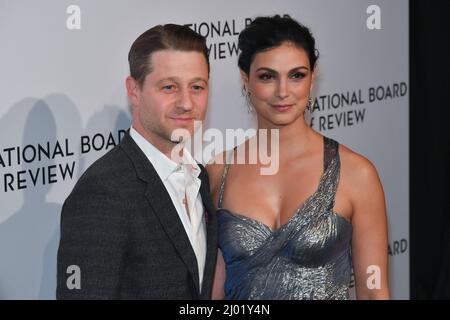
(247, 95)
(309, 105)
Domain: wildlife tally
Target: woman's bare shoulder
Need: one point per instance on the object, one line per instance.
(215, 168)
(356, 168)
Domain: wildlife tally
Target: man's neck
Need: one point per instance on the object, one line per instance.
(166, 147)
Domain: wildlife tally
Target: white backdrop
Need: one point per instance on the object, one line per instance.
(63, 104)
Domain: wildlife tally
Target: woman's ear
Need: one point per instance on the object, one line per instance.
(313, 75)
(244, 78)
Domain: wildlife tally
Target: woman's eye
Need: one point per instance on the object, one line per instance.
(265, 76)
(297, 75)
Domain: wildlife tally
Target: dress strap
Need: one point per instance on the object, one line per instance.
(332, 166)
(224, 177)
(330, 151)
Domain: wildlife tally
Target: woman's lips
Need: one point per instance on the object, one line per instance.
(281, 107)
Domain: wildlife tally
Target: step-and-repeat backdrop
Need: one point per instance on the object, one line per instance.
(63, 104)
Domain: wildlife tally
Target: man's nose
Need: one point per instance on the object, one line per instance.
(185, 100)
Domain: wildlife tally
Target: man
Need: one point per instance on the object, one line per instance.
(139, 225)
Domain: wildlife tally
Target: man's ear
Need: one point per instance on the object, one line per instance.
(133, 90)
(244, 78)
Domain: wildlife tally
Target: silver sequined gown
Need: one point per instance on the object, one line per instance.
(307, 258)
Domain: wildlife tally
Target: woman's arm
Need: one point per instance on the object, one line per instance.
(218, 292)
(370, 235)
(215, 170)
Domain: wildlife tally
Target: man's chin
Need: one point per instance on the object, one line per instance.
(181, 133)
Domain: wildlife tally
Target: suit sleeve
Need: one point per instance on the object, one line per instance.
(92, 244)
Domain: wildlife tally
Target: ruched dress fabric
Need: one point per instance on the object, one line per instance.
(309, 257)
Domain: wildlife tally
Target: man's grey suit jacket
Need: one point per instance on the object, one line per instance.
(121, 229)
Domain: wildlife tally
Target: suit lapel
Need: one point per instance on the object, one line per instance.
(164, 209)
(162, 205)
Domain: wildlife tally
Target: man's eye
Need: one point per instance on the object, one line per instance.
(198, 88)
(168, 87)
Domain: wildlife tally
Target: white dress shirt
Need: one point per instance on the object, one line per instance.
(183, 185)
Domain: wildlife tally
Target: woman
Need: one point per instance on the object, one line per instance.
(296, 234)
